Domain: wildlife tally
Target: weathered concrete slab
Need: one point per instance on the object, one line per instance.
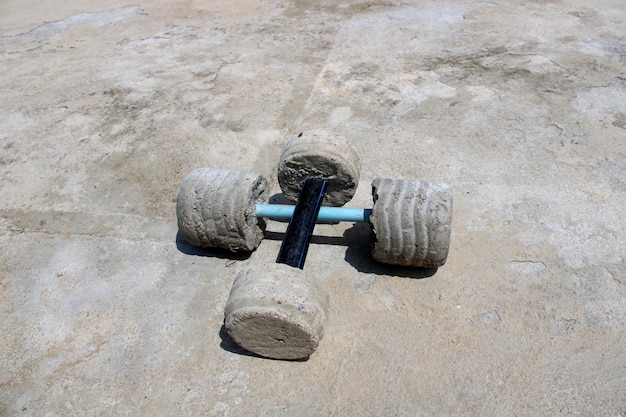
(520, 108)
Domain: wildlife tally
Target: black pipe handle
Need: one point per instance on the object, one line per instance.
(296, 243)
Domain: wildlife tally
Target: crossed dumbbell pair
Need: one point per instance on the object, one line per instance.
(279, 311)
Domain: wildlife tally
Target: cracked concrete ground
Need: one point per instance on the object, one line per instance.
(520, 108)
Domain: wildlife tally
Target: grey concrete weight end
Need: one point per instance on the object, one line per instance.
(411, 222)
(320, 154)
(276, 311)
(216, 208)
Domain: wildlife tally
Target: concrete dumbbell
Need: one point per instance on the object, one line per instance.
(410, 220)
(279, 311)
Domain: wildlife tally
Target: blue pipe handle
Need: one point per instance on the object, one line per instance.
(326, 214)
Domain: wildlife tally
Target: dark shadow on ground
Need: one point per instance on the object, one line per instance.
(188, 249)
(359, 255)
(229, 345)
(280, 199)
(318, 240)
(358, 252)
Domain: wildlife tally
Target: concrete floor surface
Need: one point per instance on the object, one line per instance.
(519, 106)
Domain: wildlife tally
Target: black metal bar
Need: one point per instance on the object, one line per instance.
(296, 243)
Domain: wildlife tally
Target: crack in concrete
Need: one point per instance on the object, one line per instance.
(526, 266)
(122, 226)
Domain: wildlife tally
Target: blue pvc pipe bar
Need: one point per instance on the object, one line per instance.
(326, 214)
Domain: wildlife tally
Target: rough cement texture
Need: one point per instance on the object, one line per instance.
(519, 106)
(411, 222)
(277, 311)
(216, 209)
(319, 154)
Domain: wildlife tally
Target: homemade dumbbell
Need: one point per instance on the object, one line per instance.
(279, 311)
(410, 220)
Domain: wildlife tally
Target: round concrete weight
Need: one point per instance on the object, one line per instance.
(411, 222)
(320, 154)
(278, 312)
(216, 209)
